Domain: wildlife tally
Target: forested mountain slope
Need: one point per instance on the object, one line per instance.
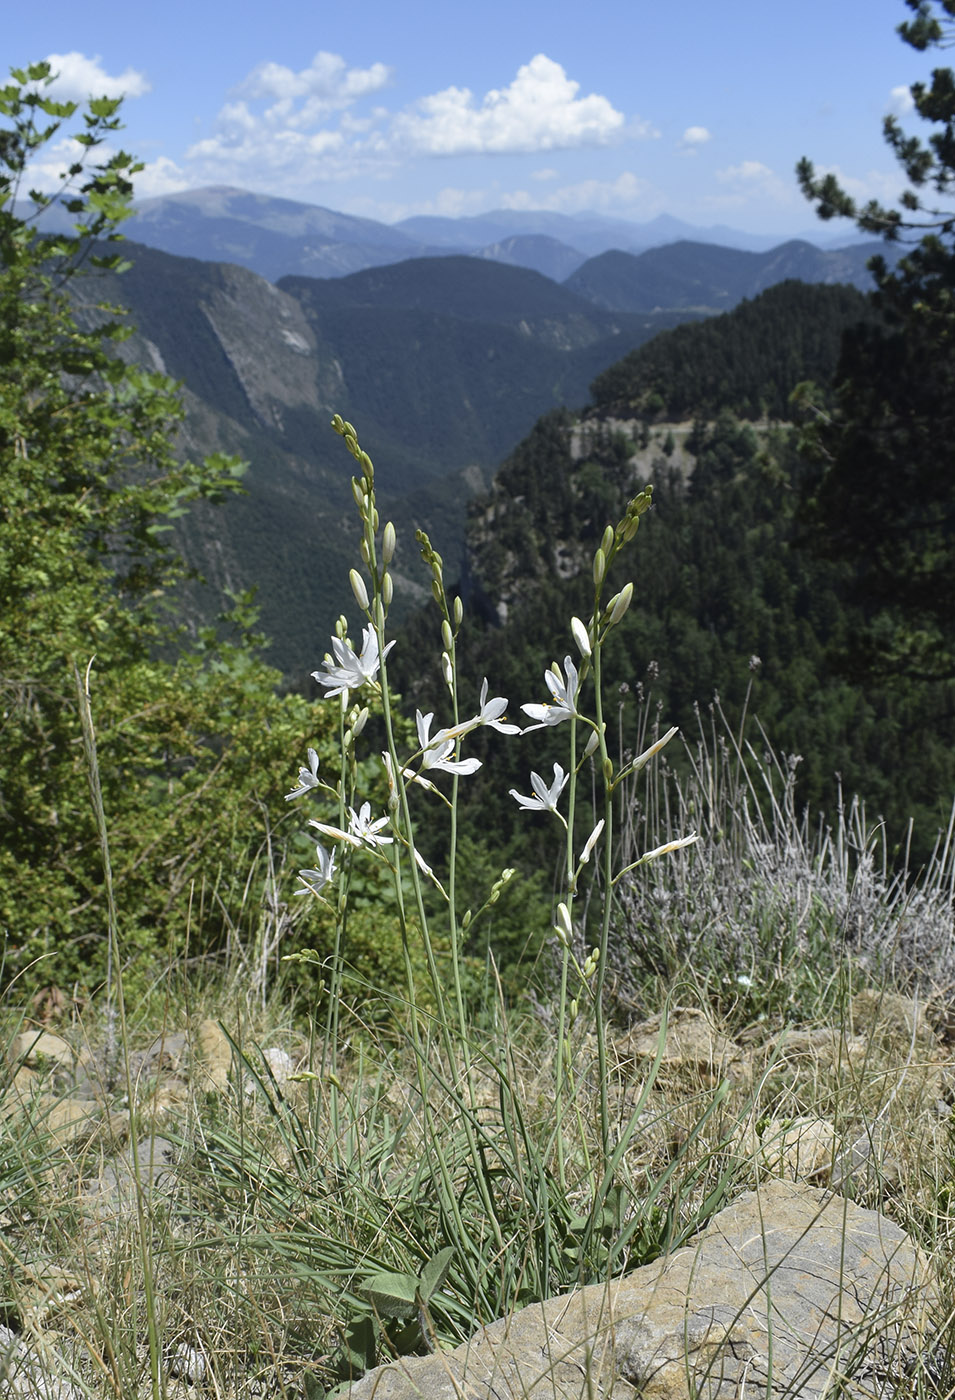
(726, 602)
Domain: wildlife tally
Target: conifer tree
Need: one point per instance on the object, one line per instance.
(883, 495)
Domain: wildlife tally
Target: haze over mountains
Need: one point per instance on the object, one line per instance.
(443, 362)
(278, 237)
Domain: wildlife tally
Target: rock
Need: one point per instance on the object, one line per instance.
(800, 1149)
(689, 1042)
(41, 1050)
(788, 1291)
(188, 1363)
(278, 1067)
(35, 1372)
(886, 1019)
(212, 1058)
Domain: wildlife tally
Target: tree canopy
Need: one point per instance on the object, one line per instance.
(882, 497)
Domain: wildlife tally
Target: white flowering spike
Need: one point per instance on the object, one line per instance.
(314, 881)
(346, 669)
(545, 798)
(307, 777)
(580, 636)
(563, 697)
(437, 750)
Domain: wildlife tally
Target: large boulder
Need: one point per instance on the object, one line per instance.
(790, 1290)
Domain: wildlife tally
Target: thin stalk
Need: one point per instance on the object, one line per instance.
(143, 1230)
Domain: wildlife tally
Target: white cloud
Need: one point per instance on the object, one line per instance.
(538, 111)
(885, 186)
(159, 177)
(747, 172)
(277, 126)
(548, 173)
(626, 194)
(300, 99)
(696, 136)
(900, 101)
(79, 77)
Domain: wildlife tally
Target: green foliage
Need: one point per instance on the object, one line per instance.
(193, 740)
(883, 496)
(749, 360)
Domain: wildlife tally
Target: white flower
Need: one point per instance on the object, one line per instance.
(307, 777)
(360, 825)
(546, 797)
(362, 831)
(437, 751)
(315, 880)
(592, 840)
(563, 693)
(669, 846)
(348, 670)
(491, 712)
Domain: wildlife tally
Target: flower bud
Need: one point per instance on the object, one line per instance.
(607, 770)
(580, 636)
(388, 542)
(379, 612)
(592, 743)
(447, 669)
(358, 493)
(619, 604)
(341, 627)
(359, 589)
(361, 720)
(446, 636)
(574, 1008)
(600, 567)
(563, 927)
(436, 590)
(466, 921)
(606, 544)
(387, 589)
(338, 423)
(348, 429)
(458, 611)
(368, 470)
(364, 551)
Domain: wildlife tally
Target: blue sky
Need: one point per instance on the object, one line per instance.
(387, 108)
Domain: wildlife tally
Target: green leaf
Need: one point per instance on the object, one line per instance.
(392, 1295)
(434, 1273)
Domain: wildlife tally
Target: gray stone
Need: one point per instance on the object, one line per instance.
(786, 1291)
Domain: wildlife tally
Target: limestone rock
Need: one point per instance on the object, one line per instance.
(886, 1018)
(41, 1050)
(787, 1291)
(212, 1057)
(689, 1042)
(800, 1149)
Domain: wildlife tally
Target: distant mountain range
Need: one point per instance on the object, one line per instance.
(443, 362)
(280, 237)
